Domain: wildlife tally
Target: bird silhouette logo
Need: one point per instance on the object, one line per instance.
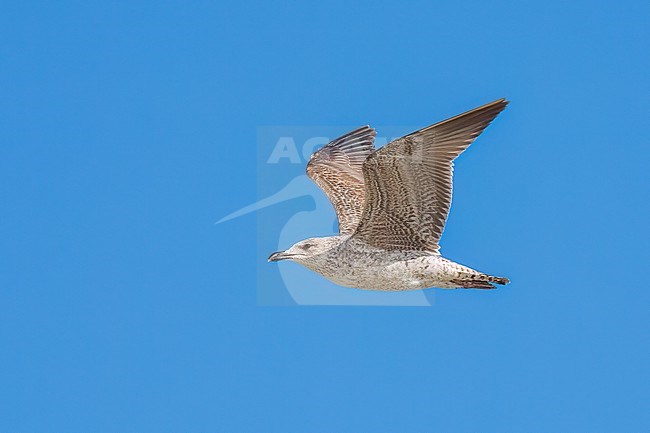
(303, 286)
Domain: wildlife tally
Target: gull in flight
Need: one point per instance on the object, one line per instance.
(392, 204)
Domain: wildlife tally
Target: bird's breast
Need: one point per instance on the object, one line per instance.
(374, 269)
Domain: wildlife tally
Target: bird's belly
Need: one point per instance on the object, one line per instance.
(395, 274)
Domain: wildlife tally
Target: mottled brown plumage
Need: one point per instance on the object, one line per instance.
(392, 205)
(409, 182)
(337, 170)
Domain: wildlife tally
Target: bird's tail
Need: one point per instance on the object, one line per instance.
(481, 281)
(499, 280)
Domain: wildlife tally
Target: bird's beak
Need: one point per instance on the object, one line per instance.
(280, 255)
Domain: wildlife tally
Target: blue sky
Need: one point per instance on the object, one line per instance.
(128, 128)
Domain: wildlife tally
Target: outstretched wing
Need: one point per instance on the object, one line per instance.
(408, 182)
(337, 170)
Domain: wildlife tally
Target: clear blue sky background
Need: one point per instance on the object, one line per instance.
(128, 128)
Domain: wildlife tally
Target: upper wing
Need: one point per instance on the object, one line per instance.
(336, 169)
(409, 182)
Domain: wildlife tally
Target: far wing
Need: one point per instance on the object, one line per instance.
(336, 169)
(409, 182)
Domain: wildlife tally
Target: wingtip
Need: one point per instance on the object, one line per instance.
(497, 105)
(501, 101)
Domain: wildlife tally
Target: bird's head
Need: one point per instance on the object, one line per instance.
(305, 249)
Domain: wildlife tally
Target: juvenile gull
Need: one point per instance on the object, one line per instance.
(392, 204)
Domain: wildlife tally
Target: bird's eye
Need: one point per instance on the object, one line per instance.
(306, 246)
